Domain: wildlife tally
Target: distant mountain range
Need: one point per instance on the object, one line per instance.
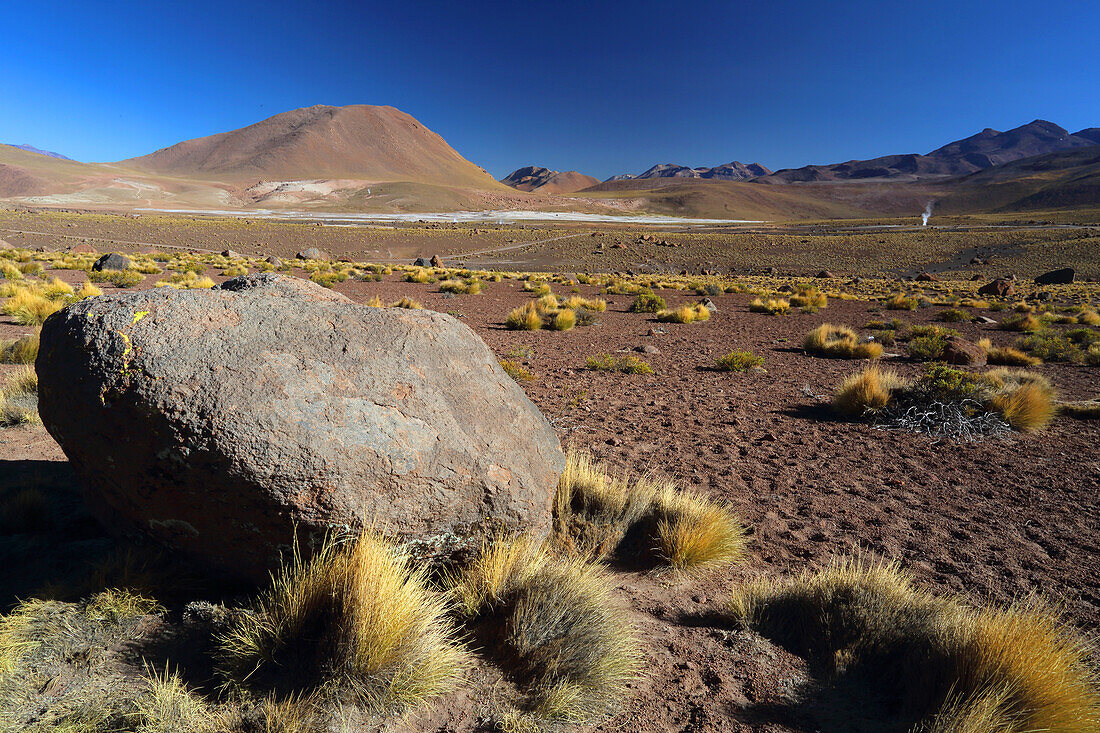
(543, 180)
(984, 150)
(368, 158)
(47, 153)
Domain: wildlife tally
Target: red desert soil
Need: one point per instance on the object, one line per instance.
(993, 521)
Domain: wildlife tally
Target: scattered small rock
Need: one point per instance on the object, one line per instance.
(1000, 287)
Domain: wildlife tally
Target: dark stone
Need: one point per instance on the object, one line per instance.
(112, 261)
(1063, 276)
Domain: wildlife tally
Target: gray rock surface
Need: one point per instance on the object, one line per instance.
(218, 421)
(112, 261)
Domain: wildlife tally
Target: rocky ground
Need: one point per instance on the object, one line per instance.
(994, 521)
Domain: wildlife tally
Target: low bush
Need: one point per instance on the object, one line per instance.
(118, 278)
(624, 364)
(469, 286)
(953, 315)
(408, 303)
(738, 361)
(516, 371)
(598, 516)
(866, 392)
(19, 398)
(809, 298)
(1051, 346)
(419, 275)
(28, 307)
(1008, 356)
(524, 318)
(647, 303)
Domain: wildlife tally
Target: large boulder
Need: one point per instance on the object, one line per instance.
(1063, 276)
(960, 351)
(1001, 287)
(312, 253)
(111, 261)
(221, 422)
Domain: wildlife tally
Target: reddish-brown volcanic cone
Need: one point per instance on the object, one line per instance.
(359, 141)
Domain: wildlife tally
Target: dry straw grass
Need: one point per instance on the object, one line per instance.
(684, 314)
(867, 391)
(22, 350)
(647, 520)
(946, 667)
(771, 306)
(351, 625)
(19, 398)
(840, 342)
(553, 624)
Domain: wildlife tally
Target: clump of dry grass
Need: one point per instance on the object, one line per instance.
(840, 342)
(1023, 322)
(684, 314)
(524, 318)
(598, 516)
(186, 280)
(1027, 407)
(375, 302)
(409, 303)
(19, 398)
(29, 306)
(351, 625)
(932, 661)
(901, 302)
(554, 626)
(866, 392)
(809, 299)
(22, 350)
(771, 306)
(168, 706)
(1009, 356)
(87, 290)
(574, 302)
(469, 286)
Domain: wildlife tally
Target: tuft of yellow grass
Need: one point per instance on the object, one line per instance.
(87, 290)
(1027, 407)
(694, 533)
(901, 302)
(684, 314)
(595, 512)
(1009, 356)
(351, 625)
(840, 342)
(524, 318)
(168, 706)
(516, 371)
(29, 307)
(771, 306)
(867, 391)
(951, 668)
(409, 303)
(563, 320)
(565, 637)
(22, 350)
(375, 302)
(1022, 322)
(19, 398)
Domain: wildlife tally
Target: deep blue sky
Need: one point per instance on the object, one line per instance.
(600, 87)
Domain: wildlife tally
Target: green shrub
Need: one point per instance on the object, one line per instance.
(738, 361)
(647, 303)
